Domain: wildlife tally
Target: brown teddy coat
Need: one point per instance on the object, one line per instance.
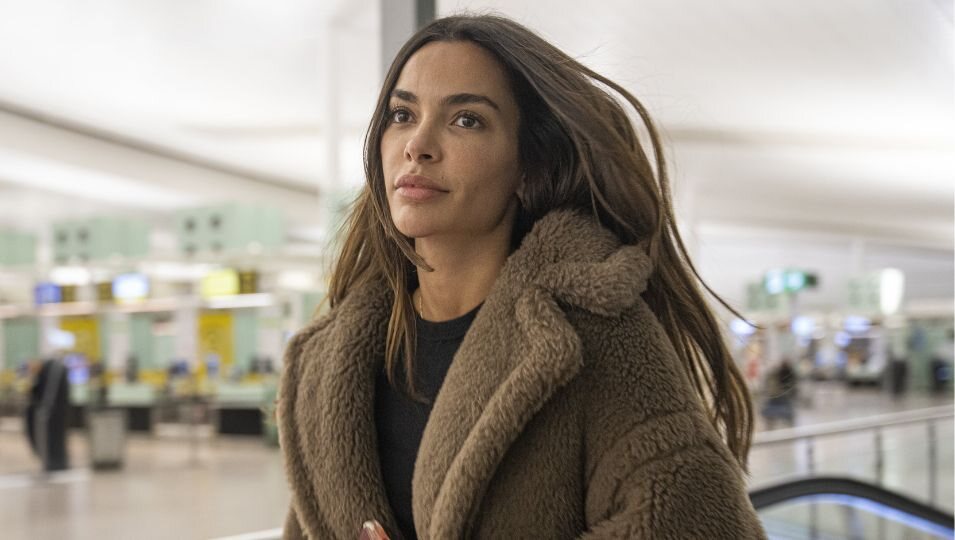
(565, 413)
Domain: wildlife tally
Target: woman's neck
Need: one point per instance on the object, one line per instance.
(464, 272)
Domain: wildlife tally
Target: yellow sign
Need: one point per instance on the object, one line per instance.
(86, 332)
(219, 283)
(215, 340)
(155, 377)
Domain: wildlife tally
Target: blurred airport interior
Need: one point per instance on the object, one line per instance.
(172, 175)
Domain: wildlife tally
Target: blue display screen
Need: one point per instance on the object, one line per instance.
(47, 293)
(79, 371)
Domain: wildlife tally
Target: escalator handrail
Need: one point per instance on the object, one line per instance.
(842, 427)
(834, 485)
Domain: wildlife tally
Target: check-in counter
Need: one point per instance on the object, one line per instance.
(79, 398)
(139, 400)
(238, 408)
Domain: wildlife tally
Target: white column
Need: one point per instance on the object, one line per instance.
(270, 331)
(117, 332)
(186, 323)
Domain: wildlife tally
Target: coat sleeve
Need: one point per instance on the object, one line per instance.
(683, 488)
(655, 467)
(292, 529)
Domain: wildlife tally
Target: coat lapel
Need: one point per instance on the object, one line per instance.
(520, 350)
(483, 407)
(331, 453)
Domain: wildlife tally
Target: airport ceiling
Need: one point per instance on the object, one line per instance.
(820, 116)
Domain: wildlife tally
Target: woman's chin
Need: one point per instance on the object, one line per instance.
(415, 228)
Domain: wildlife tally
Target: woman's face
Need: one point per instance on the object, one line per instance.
(449, 151)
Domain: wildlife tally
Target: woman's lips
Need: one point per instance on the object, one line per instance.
(417, 188)
(418, 193)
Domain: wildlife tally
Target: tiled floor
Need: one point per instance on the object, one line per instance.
(171, 489)
(166, 490)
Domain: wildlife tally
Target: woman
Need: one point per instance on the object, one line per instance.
(514, 250)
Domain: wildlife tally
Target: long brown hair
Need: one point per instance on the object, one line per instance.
(578, 149)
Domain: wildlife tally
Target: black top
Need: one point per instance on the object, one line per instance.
(400, 421)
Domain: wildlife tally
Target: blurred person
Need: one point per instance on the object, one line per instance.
(781, 391)
(132, 369)
(941, 363)
(898, 375)
(753, 358)
(517, 345)
(46, 414)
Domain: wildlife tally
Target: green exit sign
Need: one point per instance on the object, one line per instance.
(789, 280)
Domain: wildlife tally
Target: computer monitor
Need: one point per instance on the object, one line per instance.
(77, 368)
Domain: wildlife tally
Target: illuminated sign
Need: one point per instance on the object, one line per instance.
(215, 342)
(130, 287)
(780, 281)
(219, 283)
(775, 281)
(891, 290)
(85, 331)
(877, 292)
(47, 293)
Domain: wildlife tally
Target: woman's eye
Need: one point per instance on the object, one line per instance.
(467, 121)
(399, 116)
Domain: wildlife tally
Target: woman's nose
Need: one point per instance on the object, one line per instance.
(422, 146)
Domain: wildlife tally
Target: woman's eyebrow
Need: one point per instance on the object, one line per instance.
(404, 95)
(462, 99)
(453, 99)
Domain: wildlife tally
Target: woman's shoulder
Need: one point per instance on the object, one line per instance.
(632, 337)
(318, 323)
(628, 359)
(306, 339)
(633, 388)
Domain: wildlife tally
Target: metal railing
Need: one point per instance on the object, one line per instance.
(876, 424)
(793, 435)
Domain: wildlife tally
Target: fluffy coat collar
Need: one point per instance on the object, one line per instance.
(568, 261)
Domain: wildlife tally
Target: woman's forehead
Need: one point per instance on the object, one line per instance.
(443, 68)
